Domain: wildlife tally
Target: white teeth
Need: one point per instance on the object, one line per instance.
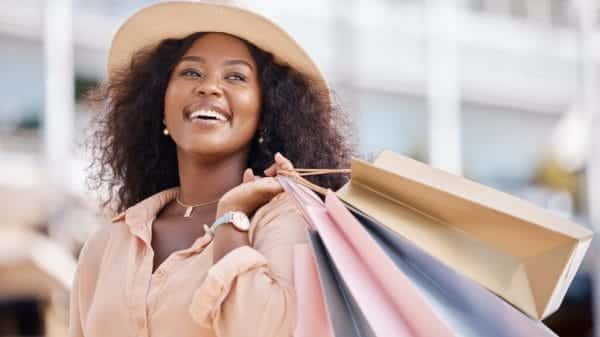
(208, 113)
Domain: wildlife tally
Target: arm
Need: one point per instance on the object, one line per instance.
(84, 281)
(253, 193)
(249, 291)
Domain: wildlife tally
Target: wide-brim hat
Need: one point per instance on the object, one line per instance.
(178, 19)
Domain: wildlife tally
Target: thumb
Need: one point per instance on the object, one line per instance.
(270, 185)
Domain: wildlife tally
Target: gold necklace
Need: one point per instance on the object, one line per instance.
(190, 208)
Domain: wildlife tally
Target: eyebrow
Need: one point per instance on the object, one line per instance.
(227, 63)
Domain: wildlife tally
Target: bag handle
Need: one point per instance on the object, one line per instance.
(298, 175)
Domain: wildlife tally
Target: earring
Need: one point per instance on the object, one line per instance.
(165, 132)
(261, 136)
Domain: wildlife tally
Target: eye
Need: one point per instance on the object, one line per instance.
(236, 77)
(190, 73)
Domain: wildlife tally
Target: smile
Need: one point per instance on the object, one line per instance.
(206, 114)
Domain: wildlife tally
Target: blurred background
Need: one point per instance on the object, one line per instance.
(504, 92)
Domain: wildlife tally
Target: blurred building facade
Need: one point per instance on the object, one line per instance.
(490, 89)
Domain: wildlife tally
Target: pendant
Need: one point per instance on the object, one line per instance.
(188, 212)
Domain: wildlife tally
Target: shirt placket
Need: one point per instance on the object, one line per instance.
(147, 285)
(168, 267)
(158, 280)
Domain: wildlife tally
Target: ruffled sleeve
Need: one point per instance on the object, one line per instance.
(250, 291)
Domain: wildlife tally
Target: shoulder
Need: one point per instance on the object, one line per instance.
(280, 215)
(95, 247)
(282, 205)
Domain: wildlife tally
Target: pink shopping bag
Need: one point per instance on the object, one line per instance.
(312, 318)
(389, 302)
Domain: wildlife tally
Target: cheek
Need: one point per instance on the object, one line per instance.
(248, 103)
(173, 97)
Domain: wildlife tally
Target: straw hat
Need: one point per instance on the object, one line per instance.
(178, 19)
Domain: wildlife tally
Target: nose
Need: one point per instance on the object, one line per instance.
(208, 86)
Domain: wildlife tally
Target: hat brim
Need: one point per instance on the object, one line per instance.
(179, 19)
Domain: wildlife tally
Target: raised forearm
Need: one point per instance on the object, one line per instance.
(227, 239)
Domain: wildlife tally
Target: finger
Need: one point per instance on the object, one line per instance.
(283, 162)
(270, 186)
(271, 171)
(248, 176)
(274, 169)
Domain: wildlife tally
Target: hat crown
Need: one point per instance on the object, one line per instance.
(178, 19)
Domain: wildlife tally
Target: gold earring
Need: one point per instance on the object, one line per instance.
(165, 132)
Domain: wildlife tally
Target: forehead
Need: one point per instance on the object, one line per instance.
(219, 45)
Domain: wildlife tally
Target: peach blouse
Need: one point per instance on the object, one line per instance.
(249, 292)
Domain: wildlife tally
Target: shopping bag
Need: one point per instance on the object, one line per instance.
(345, 316)
(470, 309)
(524, 254)
(467, 308)
(312, 318)
(389, 302)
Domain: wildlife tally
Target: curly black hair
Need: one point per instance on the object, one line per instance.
(132, 160)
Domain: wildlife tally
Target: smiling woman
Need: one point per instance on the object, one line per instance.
(195, 125)
(295, 118)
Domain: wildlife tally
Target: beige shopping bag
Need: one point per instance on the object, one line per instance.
(524, 254)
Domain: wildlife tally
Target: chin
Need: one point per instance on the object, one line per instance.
(213, 148)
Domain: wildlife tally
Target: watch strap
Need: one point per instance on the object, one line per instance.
(223, 219)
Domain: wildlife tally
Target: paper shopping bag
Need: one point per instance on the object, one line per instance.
(383, 294)
(312, 318)
(524, 254)
(347, 320)
(465, 306)
(470, 309)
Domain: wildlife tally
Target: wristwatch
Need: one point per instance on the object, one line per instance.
(239, 220)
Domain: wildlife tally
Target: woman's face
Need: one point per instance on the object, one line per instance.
(212, 101)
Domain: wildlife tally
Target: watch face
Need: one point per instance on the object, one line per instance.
(240, 221)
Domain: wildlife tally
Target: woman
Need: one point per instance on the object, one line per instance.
(195, 126)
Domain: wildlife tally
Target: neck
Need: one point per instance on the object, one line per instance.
(204, 180)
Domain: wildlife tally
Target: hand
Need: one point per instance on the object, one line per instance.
(254, 191)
